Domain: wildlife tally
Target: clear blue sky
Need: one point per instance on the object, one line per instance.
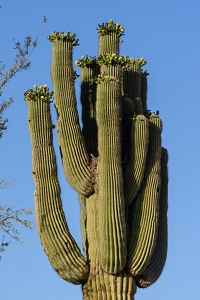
(167, 35)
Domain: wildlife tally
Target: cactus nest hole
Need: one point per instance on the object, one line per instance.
(93, 171)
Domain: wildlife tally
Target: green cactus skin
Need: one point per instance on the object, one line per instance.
(144, 92)
(100, 284)
(132, 86)
(76, 166)
(109, 38)
(144, 212)
(105, 43)
(157, 261)
(59, 245)
(112, 229)
(88, 102)
(115, 162)
(135, 167)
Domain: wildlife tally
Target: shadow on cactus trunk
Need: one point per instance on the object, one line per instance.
(115, 162)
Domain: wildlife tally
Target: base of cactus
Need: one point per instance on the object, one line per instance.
(104, 286)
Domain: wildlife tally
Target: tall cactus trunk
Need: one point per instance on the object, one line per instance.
(100, 284)
(115, 162)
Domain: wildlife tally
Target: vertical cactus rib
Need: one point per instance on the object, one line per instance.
(132, 79)
(88, 101)
(74, 154)
(157, 262)
(111, 218)
(93, 285)
(144, 210)
(58, 244)
(109, 287)
(101, 285)
(109, 37)
(109, 44)
(134, 170)
(83, 221)
(127, 115)
(144, 91)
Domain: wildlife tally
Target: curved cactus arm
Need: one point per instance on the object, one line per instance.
(134, 170)
(144, 210)
(74, 153)
(111, 211)
(157, 262)
(60, 247)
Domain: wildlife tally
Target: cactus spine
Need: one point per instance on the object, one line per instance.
(115, 162)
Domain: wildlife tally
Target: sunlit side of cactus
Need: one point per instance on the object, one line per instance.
(115, 162)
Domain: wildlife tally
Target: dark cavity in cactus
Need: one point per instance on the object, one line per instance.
(115, 162)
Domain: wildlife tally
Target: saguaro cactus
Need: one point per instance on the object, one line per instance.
(115, 162)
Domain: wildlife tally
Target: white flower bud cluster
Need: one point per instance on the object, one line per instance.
(86, 61)
(41, 92)
(67, 37)
(110, 59)
(110, 27)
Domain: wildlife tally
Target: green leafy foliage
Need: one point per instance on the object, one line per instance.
(21, 59)
(8, 217)
(3, 121)
(20, 63)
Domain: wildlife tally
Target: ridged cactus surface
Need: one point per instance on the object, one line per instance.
(115, 162)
